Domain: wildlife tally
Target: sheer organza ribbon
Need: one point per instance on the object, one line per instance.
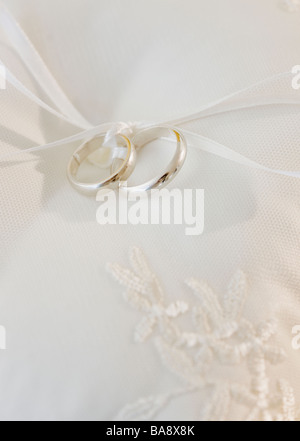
(259, 94)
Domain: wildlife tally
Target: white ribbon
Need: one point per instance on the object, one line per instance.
(259, 94)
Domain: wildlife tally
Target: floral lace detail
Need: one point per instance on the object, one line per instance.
(220, 336)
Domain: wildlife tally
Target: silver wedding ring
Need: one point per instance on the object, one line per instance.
(144, 137)
(125, 149)
(121, 173)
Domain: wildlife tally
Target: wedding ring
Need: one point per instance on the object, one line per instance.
(121, 173)
(144, 137)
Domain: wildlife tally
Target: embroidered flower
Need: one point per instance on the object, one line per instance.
(218, 335)
(144, 293)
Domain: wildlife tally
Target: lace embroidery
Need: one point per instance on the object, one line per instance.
(220, 336)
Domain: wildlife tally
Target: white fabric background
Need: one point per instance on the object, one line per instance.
(70, 350)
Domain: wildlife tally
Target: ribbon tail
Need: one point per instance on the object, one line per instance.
(210, 146)
(21, 88)
(34, 63)
(257, 95)
(83, 135)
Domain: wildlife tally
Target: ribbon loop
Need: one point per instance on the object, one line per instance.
(127, 129)
(272, 91)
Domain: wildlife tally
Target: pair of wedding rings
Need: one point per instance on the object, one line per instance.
(126, 150)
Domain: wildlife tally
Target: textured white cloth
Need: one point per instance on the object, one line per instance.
(74, 350)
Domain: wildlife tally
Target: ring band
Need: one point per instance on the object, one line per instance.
(122, 173)
(148, 135)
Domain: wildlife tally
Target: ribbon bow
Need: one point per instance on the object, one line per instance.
(259, 94)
